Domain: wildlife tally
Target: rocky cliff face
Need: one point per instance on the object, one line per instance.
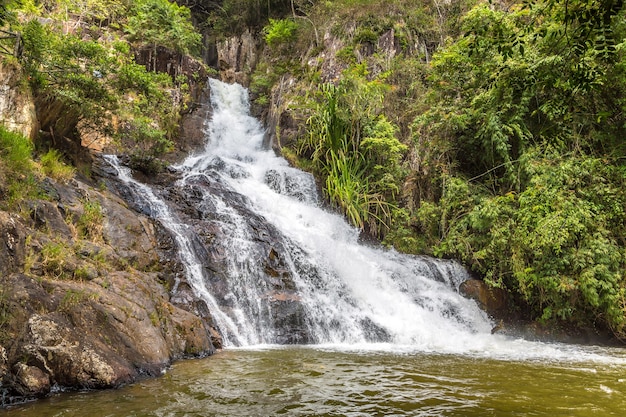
(86, 295)
(237, 57)
(196, 109)
(87, 305)
(284, 118)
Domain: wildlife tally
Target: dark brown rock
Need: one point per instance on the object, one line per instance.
(193, 126)
(492, 300)
(67, 356)
(46, 216)
(31, 381)
(97, 318)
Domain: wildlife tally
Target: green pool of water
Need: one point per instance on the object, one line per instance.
(307, 381)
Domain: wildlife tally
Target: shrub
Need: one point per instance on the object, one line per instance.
(556, 245)
(355, 150)
(54, 258)
(17, 175)
(15, 151)
(161, 22)
(54, 167)
(90, 222)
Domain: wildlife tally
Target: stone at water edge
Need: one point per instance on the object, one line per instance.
(492, 300)
(31, 381)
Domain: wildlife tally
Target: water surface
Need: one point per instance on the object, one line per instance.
(307, 381)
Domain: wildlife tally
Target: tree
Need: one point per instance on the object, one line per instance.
(529, 101)
(164, 23)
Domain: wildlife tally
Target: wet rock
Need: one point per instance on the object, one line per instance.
(195, 203)
(192, 334)
(492, 300)
(193, 126)
(31, 381)
(289, 319)
(184, 297)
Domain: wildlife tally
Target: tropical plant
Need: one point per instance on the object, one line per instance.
(355, 150)
(280, 31)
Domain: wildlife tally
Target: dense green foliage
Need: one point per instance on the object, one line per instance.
(81, 54)
(21, 175)
(164, 23)
(533, 115)
(17, 171)
(280, 31)
(513, 117)
(229, 17)
(353, 147)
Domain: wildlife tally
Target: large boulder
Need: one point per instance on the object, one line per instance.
(492, 300)
(101, 333)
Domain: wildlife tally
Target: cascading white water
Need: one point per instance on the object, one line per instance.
(352, 294)
(181, 233)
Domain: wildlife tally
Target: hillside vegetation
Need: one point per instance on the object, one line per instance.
(80, 59)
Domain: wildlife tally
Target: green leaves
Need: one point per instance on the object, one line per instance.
(17, 171)
(15, 150)
(558, 244)
(280, 31)
(70, 69)
(355, 150)
(165, 23)
(97, 81)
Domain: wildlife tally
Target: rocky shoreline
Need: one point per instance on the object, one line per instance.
(86, 311)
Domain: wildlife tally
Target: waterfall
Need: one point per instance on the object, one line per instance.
(289, 270)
